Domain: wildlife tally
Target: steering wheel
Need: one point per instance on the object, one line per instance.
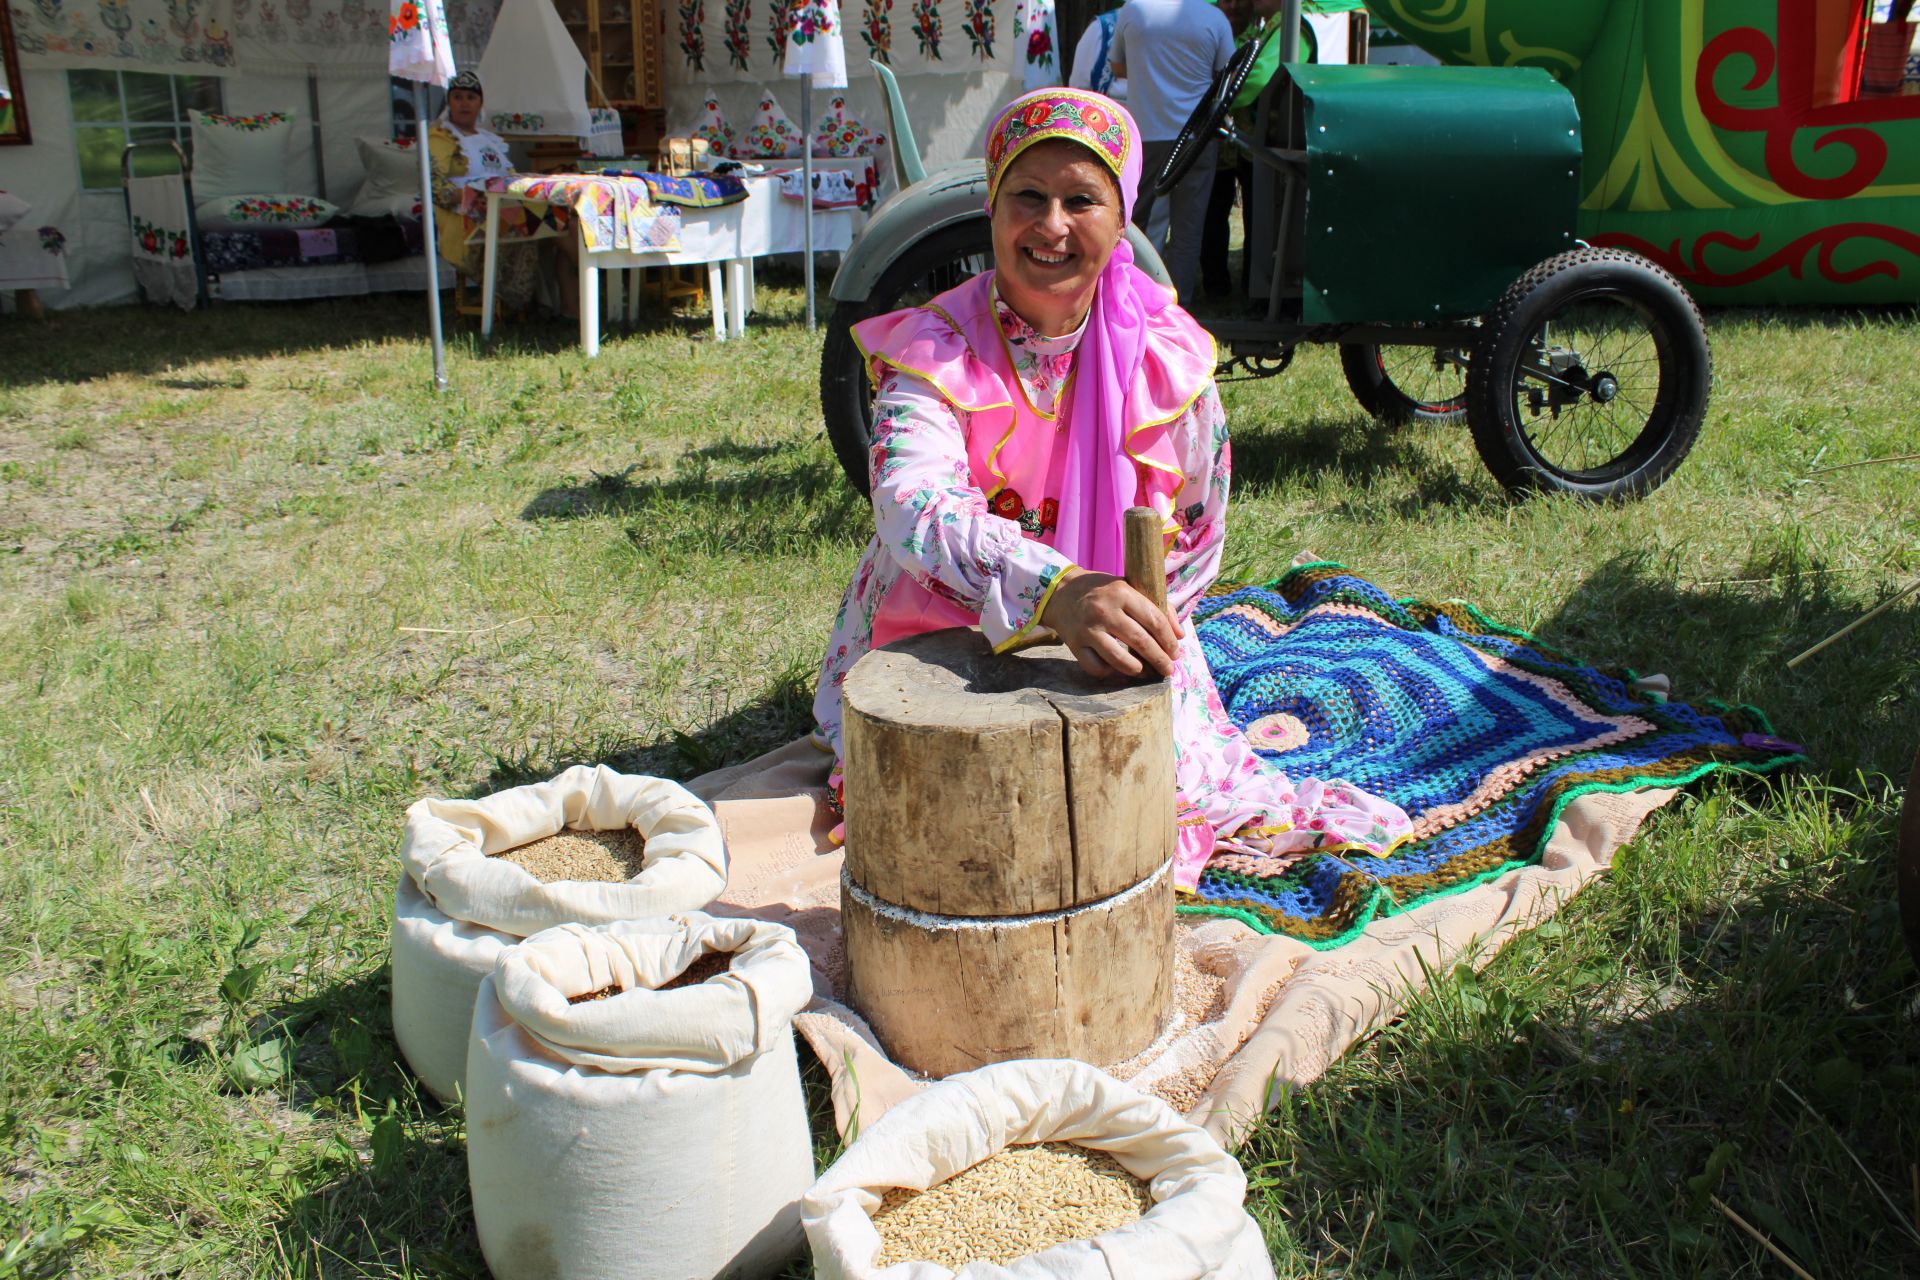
(1203, 126)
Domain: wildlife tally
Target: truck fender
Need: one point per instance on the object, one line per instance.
(948, 195)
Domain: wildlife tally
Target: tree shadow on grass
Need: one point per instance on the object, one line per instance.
(1852, 706)
(786, 502)
(84, 345)
(782, 713)
(1386, 458)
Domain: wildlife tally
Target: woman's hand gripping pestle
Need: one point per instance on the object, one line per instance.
(1120, 626)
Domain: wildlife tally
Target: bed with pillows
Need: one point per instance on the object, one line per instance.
(232, 229)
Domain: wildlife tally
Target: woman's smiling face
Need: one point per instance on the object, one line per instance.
(1056, 220)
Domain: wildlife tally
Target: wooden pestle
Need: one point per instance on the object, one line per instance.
(1146, 555)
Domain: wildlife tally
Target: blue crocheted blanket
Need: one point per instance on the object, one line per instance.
(1480, 732)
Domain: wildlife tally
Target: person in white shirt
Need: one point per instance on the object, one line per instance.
(1093, 60)
(1169, 51)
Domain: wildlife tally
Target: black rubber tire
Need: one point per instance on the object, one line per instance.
(1907, 861)
(1370, 376)
(1209, 114)
(1662, 417)
(932, 265)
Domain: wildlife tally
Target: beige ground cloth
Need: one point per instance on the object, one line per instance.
(1252, 1011)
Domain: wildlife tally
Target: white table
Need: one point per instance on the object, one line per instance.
(725, 239)
(29, 263)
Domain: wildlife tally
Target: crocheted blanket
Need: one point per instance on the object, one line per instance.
(1480, 732)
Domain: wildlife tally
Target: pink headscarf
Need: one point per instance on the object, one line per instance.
(1100, 483)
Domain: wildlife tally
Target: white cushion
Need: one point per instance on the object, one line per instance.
(392, 184)
(286, 211)
(240, 155)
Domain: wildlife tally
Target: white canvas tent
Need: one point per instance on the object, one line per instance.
(326, 60)
(531, 64)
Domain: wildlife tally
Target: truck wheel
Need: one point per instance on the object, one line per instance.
(930, 266)
(1406, 384)
(1591, 377)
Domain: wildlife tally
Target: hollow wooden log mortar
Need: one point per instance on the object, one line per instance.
(1008, 888)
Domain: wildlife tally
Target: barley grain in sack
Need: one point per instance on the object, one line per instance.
(458, 904)
(639, 1134)
(1197, 1229)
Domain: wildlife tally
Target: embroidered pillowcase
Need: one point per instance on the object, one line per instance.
(712, 125)
(392, 184)
(259, 213)
(240, 155)
(841, 133)
(772, 135)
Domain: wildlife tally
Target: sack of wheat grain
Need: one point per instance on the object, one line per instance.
(1038, 1169)
(633, 1102)
(590, 845)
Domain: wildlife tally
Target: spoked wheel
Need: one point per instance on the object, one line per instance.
(1407, 384)
(948, 257)
(1203, 126)
(1591, 378)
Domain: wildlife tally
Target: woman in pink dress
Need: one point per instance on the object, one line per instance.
(1016, 417)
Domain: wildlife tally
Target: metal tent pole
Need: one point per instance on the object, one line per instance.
(427, 229)
(806, 169)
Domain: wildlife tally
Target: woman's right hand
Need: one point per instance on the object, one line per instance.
(1110, 628)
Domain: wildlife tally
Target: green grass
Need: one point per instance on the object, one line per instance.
(260, 589)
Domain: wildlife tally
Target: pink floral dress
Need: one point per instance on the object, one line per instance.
(934, 523)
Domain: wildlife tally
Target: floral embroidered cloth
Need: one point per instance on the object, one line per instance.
(772, 136)
(163, 264)
(614, 213)
(418, 47)
(814, 44)
(991, 558)
(711, 124)
(841, 133)
(832, 189)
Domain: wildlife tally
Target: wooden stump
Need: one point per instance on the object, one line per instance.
(984, 785)
(1008, 888)
(946, 995)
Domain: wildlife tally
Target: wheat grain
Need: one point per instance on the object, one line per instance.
(1016, 1203)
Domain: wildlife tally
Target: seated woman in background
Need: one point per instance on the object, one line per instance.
(1016, 417)
(462, 152)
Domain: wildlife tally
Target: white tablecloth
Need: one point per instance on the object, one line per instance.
(726, 239)
(765, 222)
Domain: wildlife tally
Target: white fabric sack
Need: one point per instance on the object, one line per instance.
(448, 845)
(438, 965)
(1197, 1227)
(651, 1135)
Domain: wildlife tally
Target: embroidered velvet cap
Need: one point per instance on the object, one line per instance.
(468, 80)
(1096, 122)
